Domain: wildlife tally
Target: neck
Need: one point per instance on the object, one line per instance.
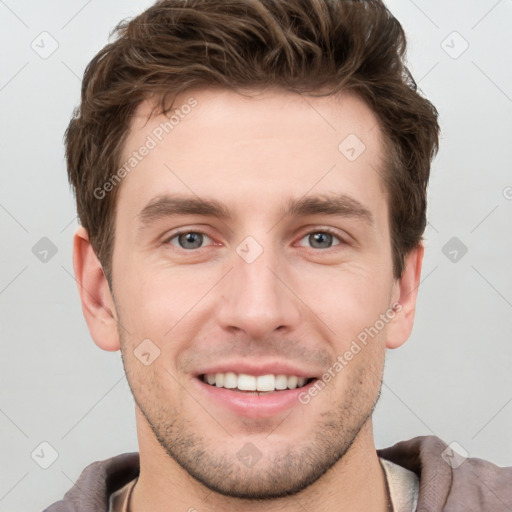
(356, 483)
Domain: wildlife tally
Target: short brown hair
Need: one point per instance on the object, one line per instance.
(302, 46)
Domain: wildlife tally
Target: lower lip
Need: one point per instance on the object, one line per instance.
(254, 406)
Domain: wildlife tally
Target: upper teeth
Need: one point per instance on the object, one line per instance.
(245, 382)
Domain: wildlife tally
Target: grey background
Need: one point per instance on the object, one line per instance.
(451, 379)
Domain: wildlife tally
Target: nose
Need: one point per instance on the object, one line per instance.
(257, 297)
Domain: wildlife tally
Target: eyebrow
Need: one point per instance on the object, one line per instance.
(325, 204)
(168, 206)
(341, 205)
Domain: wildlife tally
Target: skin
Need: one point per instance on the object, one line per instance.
(298, 302)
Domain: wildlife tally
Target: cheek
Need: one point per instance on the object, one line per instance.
(156, 298)
(348, 299)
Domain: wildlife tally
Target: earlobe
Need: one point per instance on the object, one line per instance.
(405, 294)
(97, 303)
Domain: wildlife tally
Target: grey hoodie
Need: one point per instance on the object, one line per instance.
(448, 482)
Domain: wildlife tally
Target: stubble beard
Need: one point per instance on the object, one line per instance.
(279, 474)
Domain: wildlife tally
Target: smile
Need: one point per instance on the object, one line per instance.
(255, 384)
(251, 396)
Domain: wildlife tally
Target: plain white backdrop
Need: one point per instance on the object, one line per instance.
(453, 378)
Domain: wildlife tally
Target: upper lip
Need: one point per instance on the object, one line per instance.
(257, 369)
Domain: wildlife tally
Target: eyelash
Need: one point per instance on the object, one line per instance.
(326, 231)
(323, 231)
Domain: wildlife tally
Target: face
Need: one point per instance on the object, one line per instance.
(252, 251)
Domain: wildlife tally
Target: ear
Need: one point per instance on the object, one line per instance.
(97, 303)
(405, 292)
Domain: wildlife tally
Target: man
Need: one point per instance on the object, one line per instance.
(251, 182)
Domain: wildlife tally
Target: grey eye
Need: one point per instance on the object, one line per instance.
(320, 240)
(189, 240)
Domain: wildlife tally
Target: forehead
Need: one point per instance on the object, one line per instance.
(221, 143)
(260, 114)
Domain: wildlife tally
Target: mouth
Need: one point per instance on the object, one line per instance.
(255, 384)
(262, 390)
